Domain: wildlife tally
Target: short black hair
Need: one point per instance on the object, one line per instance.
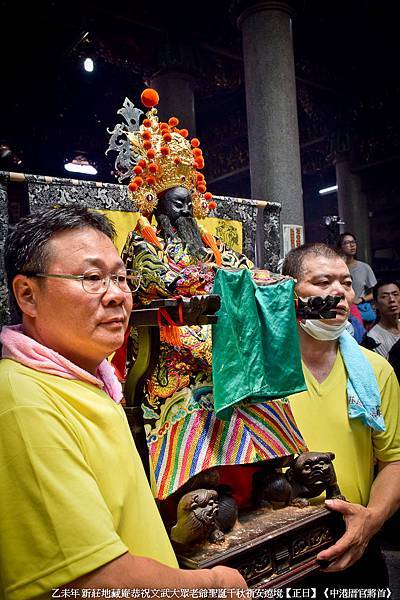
(293, 263)
(380, 283)
(26, 246)
(343, 235)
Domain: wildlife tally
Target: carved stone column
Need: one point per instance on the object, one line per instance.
(175, 80)
(176, 98)
(271, 107)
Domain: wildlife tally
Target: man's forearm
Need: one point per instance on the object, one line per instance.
(362, 523)
(129, 571)
(385, 494)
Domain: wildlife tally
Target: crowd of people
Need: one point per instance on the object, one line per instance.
(375, 313)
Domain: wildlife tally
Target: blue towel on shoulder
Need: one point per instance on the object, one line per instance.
(364, 399)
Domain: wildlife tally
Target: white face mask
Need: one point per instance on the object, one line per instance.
(322, 331)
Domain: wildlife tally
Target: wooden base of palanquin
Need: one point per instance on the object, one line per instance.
(271, 548)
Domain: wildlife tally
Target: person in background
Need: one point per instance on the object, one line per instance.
(76, 508)
(356, 323)
(356, 328)
(361, 273)
(355, 417)
(387, 303)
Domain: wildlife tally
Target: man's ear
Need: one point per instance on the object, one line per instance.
(25, 292)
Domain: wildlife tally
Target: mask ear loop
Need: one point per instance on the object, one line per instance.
(296, 303)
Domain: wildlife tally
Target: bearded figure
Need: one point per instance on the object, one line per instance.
(178, 257)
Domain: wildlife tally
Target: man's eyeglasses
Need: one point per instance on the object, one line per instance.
(98, 282)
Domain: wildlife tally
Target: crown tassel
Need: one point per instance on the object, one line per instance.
(171, 335)
(169, 330)
(210, 241)
(146, 230)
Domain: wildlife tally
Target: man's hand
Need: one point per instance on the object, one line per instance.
(351, 546)
(228, 578)
(362, 523)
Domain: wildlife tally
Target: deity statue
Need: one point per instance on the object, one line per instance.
(201, 466)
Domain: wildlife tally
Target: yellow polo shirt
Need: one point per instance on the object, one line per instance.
(73, 493)
(322, 417)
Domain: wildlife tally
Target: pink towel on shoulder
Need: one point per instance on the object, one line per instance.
(27, 351)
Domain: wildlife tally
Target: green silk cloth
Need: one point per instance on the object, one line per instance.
(255, 350)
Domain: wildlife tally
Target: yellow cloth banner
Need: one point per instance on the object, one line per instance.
(230, 232)
(123, 222)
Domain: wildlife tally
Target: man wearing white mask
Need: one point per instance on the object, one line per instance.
(351, 407)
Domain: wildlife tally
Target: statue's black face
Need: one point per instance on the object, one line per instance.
(175, 203)
(174, 214)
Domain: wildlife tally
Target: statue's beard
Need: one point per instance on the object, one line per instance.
(186, 230)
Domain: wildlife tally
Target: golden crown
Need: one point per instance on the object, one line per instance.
(165, 159)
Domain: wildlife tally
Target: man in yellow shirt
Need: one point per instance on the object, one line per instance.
(336, 413)
(75, 506)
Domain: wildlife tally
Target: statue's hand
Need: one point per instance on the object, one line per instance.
(264, 277)
(193, 308)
